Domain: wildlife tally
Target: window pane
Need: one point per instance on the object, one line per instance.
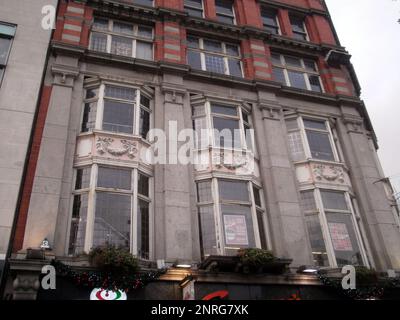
(317, 241)
(292, 124)
(235, 68)
(145, 32)
(121, 46)
(293, 62)
(320, 145)
(100, 24)
(233, 190)
(212, 46)
(114, 178)
(202, 134)
(144, 50)
(299, 36)
(232, 50)
(194, 59)
(118, 117)
(344, 239)
(82, 178)
(257, 197)
(143, 230)
(204, 191)
(225, 19)
(238, 226)
(7, 30)
(307, 201)
(91, 93)
(297, 23)
(297, 80)
(224, 6)
(112, 220)
(273, 30)
(279, 76)
(276, 59)
(208, 241)
(120, 27)
(222, 109)
(98, 42)
(193, 42)
(269, 17)
(215, 63)
(78, 225)
(314, 124)
(4, 50)
(143, 185)
(310, 65)
(145, 102)
(334, 200)
(194, 3)
(89, 117)
(226, 133)
(315, 83)
(120, 93)
(148, 3)
(1, 74)
(261, 229)
(194, 12)
(144, 126)
(296, 146)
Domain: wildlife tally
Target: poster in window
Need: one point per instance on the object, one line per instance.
(236, 230)
(340, 237)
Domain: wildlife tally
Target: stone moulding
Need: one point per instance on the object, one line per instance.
(329, 173)
(103, 146)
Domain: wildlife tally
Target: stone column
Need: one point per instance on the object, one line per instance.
(376, 213)
(287, 224)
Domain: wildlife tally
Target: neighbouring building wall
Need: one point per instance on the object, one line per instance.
(24, 47)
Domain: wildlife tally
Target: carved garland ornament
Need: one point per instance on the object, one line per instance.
(329, 173)
(238, 161)
(103, 146)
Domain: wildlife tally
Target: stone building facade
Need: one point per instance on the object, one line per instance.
(302, 179)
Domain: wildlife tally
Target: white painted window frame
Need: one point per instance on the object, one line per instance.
(228, 15)
(276, 19)
(195, 8)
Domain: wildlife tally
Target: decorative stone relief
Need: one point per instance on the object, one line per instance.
(103, 146)
(235, 161)
(329, 173)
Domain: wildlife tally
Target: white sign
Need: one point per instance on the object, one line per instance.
(103, 294)
(235, 230)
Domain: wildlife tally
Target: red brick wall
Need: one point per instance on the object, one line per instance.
(32, 162)
(308, 4)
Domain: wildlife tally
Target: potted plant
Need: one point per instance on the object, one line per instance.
(254, 260)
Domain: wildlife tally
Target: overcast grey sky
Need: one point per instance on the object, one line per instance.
(370, 32)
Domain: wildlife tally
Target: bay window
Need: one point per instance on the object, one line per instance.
(111, 206)
(229, 126)
(311, 139)
(225, 12)
(332, 228)
(122, 38)
(214, 56)
(118, 109)
(194, 8)
(231, 216)
(296, 72)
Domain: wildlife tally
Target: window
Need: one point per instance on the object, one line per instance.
(116, 109)
(231, 126)
(235, 212)
(225, 12)
(122, 38)
(7, 33)
(310, 138)
(270, 20)
(334, 221)
(113, 210)
(194, 8)
(148, 3)
(298, 27)
(296, 72)
(214, 56)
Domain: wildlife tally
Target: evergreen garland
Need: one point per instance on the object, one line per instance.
(106, 280)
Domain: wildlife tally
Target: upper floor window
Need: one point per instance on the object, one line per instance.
(7, 33)
(194, 8)
(116, 109)
(296, 72)
(122, 38)
(270, 20)
(148, 3)
(231, 126)
(225, 12)
(214, 56)
(113, 210)
(235, 205)
(298, 27)
(311, 139)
